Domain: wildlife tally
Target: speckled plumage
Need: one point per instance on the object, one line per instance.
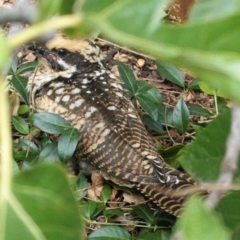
(72, 82)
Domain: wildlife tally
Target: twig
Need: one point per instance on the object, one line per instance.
(17, 25)
(123, 224)
(216, 102)
(22, 11)
(5, 156)
(126, 49)
(168, 132)
(47, 26)
(228, 167)
(229, 164)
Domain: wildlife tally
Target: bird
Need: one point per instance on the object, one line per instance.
(72, 81)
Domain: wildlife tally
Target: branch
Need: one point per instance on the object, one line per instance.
(22, 11)
(230, 161)
(228, 167)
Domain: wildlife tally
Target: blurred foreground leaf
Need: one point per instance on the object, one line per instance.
(38, 205)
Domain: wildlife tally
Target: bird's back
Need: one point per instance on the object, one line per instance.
(112, 139)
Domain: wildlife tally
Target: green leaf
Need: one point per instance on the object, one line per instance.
(198, 111)
(68, 7)
(15, 168)
(171, 152)
(180, 116)
(154, 95)
(45, 140)
(49, 153)
(27, 67)
(150, 93)
(210, 90)
(20, 125)
(151, 12)
(171, 73)
(197, 128)
(146, 235)
(99, 208)
(105, 193)
(16, 146)
(203, 157)
(49, 123)
(14, 66)
(236, 234)
(20, 155)
(28, 145)
(194, 85)
(36, 207)
(48, 8)
(229, 209)
(145, 212)
(154, 125)
(169, 117)
(67, 144)
(203, 224)
(81, 186)
(213, 10)
(20, 84)
(222, 104)
(151, 101)
(205, 54)
(89, 208)
(148, 106)
(23, 109)
(110, 233)
(95, 6)
(109, 213)
(143, 87)
(128, 78)
(30, 160)
(165, 234)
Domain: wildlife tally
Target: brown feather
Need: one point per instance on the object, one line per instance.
(112, 139)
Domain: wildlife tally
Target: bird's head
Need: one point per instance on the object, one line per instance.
(61, 54)
(62, 57)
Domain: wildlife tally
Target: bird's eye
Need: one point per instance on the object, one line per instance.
(62, 51)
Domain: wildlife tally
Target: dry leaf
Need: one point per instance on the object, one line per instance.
(91, 193)
(127, 221)
(30, 57)
(189, 96)
(112, 199)
(14, 103)
(174, 133)
(113, 194)
(97, 183)
(140, 62)
(159, 85)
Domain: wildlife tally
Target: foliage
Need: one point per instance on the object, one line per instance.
(38, 200)
(32, 197)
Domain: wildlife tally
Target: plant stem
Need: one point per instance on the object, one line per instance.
(121, 224)
(5, 155)
(216, 103)
(43, 27)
